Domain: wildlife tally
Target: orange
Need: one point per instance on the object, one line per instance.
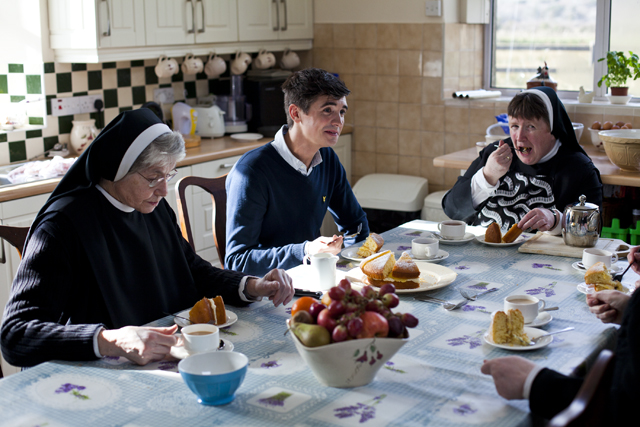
(326, 299)
(302, 304)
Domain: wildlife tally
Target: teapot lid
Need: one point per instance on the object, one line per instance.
(582, 205)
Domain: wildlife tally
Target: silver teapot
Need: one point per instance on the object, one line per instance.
(581, 224)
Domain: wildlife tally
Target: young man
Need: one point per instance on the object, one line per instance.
(278, 194)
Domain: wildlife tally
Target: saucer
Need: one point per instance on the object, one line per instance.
(442, 255)
(179, 352)
(615, 269)
(543, 319)
(467, 238)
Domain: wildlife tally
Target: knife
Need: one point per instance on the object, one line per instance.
(307, 293)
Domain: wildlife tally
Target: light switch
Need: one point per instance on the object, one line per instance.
(433, 8)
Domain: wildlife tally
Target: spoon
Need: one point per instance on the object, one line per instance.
(179, 317)
(535, 340)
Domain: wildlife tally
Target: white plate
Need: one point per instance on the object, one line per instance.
(247, 136)
(519, 240)
(531, 333)
(231, 319)
(615, 269)
(432, 276)
(179, 352)
(351, 253)
(543, 319)
(587, 289)
(467, 238)
(442, 255)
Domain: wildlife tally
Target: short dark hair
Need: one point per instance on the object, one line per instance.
(526, 105)
(303, 87)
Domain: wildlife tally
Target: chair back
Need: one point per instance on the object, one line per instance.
(215, 187)
(16, 236)
(587, 408)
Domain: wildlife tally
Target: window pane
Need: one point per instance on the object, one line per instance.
(625, 34)
(529, 33)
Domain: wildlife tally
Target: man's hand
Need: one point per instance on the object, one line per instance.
(509, 375)
(634, 259)
(276, 284)
(139, 344)
(538, 219)
(332, 245)
(608, 306)
(498, 163)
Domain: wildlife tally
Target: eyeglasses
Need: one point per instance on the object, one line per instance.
(154, 182)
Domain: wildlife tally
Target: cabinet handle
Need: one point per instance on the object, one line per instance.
(286, 21)
(108, 32)
(227, 165)
(201, 30)
(277, 15)
(193, 18)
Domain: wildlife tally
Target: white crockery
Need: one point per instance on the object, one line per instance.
(289, 60)
(452, 229)
(215, 66)
(166, 67)
(264, 60)
(201, 343)
(192, 65)
(529, 309)
(324, 270)
(240, 63)
(424, 247)
(591, 256)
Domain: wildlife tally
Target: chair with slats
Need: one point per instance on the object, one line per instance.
(587, 408)
(16, 236)
(215, 187)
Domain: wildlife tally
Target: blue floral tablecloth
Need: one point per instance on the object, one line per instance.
(434, 379)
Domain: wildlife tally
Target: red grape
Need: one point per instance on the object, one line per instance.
(387, 288)
(368, 292)
(336, 308)
(325, 319)
(355, 326)
(337, 293)
(315, 309)
(390, 300)
(340, 333)
(396, 328)
(375, 305)
(351, 307)
(409, 320)
(345, 284)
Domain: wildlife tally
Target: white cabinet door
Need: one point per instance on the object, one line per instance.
(296, 19)
(170, 22)
(275, 19)
(216, 21)
(121, 23)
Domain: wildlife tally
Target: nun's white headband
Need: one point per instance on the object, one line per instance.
(138, 145)
(547, 102)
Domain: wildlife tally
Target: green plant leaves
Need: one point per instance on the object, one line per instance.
(620, 68)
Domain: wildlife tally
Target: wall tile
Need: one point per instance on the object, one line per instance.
(410, 62)
(387, 62)
(388, 88)
(410, 89)
(322, 58)
(386, 163)
(365, 61)
(451, 64)
(387, 115)
(432, 144)
(364, 139)
(410, 36)
(365, 36)
(409, 116)
(433, 118)
(456, 119)
(388, 35)
(409, 165)
(432, 91)
(480, 119)
(386, 141)
(343, 61)
(344, 35)
(432, 37)
(322, 35)
(366, 87)
(467, 38)
(456, 141)
(452, 37)
(434, 175)
(467, 83)
(409, 142)
(364, 163)
(365, 113)
(450, 85)
(431, 64)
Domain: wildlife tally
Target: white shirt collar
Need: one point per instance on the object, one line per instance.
(281, 147)
(118, 205)
(553, 151)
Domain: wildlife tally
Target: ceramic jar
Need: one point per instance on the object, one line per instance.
(83, 133)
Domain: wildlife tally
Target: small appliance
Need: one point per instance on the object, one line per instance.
(236, 110)
(210, 120)
(185, 118)
(267, 104)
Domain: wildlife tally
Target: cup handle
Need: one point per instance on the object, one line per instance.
(439, 229)
(306, 260)
(542, 305)
(614, 258)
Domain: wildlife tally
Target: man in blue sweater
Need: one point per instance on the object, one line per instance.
(278, 194)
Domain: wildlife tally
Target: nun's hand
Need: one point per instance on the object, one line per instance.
(276, 284)
(139, 344)
(498, 163)
(537, 219)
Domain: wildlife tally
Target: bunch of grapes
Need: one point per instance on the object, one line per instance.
(349, 314)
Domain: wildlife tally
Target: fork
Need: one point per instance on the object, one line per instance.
(618, 277)
(350, 235)
(472, 297)
(449, 306)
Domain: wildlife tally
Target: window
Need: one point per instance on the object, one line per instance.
(569, 35)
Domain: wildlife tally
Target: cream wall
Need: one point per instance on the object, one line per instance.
(379, 11)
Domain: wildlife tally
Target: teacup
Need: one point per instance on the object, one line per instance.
(264, 60)
(192, 65)
(240, 63)
(528, 305)
(200, 338)
(592, 255)
(166, 67)
(480, 146)
(215, 66)
(289, 59)
(424, 247)
(452, 229)
(324, 269)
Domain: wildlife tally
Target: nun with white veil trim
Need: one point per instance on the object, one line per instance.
(529, 178)
(105, 256)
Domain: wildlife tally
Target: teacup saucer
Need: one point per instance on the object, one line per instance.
(445, 241)
(543, 319)
(179, 352)
(615, 268)
(442, 255)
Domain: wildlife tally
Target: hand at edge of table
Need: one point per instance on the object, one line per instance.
(509, 375)
(608, 306)
(276, 284)
(139, 344)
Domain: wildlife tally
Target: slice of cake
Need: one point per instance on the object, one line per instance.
(511, 235)
(599, 277)
(378, 266)
(382, 269)
(209, 310)
(371, 245)
(493, 233)
(508, 328)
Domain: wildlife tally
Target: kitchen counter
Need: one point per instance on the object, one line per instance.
(209, 149)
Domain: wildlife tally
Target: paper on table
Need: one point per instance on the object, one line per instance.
(476, 94)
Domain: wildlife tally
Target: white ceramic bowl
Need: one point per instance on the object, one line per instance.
(350, 363)
(595, 139)
(214, 377)
(622, 147)
(578, 128)
(619, 99)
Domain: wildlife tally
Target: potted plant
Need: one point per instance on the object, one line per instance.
(619, 69)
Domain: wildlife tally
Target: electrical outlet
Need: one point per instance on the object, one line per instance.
(74, 105)
(433, 7)
(163, 95)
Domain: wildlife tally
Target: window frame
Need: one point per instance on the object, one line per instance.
(600, 49)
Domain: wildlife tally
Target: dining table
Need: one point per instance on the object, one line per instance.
(434, 379)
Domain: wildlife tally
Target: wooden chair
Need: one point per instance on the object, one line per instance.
(587, 408)
(215, 187)
(16, 236)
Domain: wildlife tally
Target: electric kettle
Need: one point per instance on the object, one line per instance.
(210, 120)
(185, 118)
(581, 224)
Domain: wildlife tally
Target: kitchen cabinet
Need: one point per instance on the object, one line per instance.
(171, 22)
(275, 19)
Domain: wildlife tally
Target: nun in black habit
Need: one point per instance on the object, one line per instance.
(105, 255)
(529, 178)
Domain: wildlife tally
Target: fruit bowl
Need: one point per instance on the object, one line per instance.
(350, 363)
(622, 147)
(595, 139)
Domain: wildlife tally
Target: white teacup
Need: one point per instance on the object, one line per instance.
(215, 66)
(166, 67)
(200, 338)
(592, 255)
(527, 304)
(324, 270)
(289, 59)
(424, 247)
(264, 60)
(192, 65)
(240, 63)
(452, 229)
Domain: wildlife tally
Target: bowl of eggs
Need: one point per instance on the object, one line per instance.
(622, 147)
(596, 127)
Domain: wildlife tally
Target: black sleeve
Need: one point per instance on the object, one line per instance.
(577, 176)
(551, 392)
